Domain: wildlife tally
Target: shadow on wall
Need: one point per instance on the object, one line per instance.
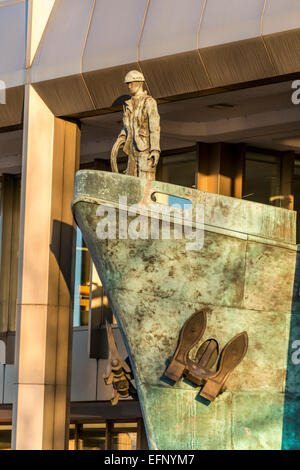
(63, 236)
(291, 416)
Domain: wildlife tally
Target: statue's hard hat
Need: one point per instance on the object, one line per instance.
(134, 76)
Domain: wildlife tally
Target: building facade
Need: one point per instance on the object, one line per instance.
(225, 75)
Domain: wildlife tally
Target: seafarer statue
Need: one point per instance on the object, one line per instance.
(140, 134)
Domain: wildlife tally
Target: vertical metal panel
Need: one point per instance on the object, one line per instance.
(1, 379)
(9, 384)
(2, 352)
(84, 369)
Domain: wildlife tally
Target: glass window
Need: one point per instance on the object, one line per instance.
(178, 169)
(262, 178)
(100, 307)
(108, 435)
(123, 435)
(88, 290)
(5, 437)
(124, 441)
(9, 239)
(91, 436)
(72, 437)
(124, 425)
(82, 282)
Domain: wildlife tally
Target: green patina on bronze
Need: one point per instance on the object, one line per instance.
(244, 273)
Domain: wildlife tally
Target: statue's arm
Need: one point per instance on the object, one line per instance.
(154, 125)
(123, 134)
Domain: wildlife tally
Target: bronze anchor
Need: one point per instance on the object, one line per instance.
(206, 357)
(200, 371)
(191, 333)
(230, 357)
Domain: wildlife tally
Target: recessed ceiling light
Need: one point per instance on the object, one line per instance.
(220, 106)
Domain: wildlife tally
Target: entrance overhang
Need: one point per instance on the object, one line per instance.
(87, 48)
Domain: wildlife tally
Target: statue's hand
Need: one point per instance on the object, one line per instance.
(154, 156)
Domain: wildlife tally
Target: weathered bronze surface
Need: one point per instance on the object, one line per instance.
(244, 273)
(140, 135)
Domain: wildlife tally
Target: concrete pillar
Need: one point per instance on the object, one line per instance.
(44, 313)
(220, 168)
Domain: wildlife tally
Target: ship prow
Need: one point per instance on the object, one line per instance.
(230, 259)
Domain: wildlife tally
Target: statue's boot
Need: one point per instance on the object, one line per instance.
(191, 333)
(206, 357)
(231, 356)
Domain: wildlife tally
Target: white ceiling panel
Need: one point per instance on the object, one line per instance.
(230, 21)
(281, 15)
(60, 50)
(170, 27)
(114, 33)
(12, 44)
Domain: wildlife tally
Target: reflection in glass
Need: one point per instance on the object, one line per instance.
(88, 290)
(108, 435)
(262, 179)
(91, 437)
(5, 437)
(124, 441)
(178, 169)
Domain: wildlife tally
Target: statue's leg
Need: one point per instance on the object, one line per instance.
(131, 166)
(131, 169)
(145, 169)
(147, 175)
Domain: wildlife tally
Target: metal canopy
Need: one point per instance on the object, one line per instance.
(79, 38)
(113, 30)
(182, 48)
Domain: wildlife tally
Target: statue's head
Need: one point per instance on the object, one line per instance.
(135, 81)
